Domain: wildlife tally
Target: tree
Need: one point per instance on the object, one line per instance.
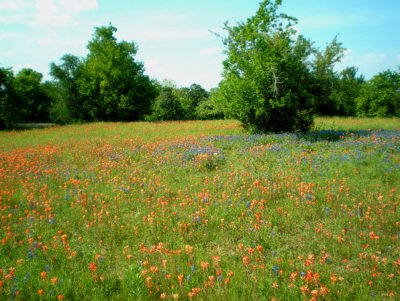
(35, 103)
(210, 109)
(167, 106)
(113, 83)
(9, 102)
(191, 98)
(69, 104)
(325, 79)
(380, 96)
(266, 74)
(347, 89)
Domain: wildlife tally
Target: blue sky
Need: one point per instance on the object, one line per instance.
(174, 36)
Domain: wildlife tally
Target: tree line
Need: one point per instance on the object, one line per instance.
(273, 80)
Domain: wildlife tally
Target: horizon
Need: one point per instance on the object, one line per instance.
(175, 39)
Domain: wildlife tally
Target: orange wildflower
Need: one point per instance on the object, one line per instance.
(188, 249)
(149, 282)
(43, 275)
(92, 267)
(54, 280)
(204, 265)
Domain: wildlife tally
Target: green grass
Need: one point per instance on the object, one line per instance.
(200, 210)
(356, 124)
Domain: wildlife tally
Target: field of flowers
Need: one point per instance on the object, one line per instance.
(200, 211)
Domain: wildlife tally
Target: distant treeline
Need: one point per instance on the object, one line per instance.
(109, 84)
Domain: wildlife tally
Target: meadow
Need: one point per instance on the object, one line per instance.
(200, 211)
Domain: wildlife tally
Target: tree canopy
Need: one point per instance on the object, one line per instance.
(108, 85)
(266, 74)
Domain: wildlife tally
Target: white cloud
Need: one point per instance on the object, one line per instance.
(164, 34)
(77, 6)
(210, 51)
(369, 63)
(9, 36)
(336, 21)
(7, 54)
(13, 4)
(60, 12)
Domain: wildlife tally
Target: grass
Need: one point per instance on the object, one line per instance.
(201, 211)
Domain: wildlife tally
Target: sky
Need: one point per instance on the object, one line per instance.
(176, 38)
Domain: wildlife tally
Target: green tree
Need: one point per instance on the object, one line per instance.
(68, 103)
(347, 89)
(380, 96)
(35, 103)
(326, 79)
(167, 106)
(113, 83)
(266, 74)
(9, 101)
(191, 98)
(209, 108)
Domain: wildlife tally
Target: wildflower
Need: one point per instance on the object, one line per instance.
(153, 269)
(40, 292)
(204, 265)
(60, 297)
(163, 296)
(188, 249)
(304, 289)
(250, 251)
(149, 282)
(180, 279)
(324, 290)
(309, 276)
(216, 260)
(275, 285)
(54, 280)
(43, 275)
(92, 267)
(246, 260)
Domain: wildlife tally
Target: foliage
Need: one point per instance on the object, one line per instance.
(266, 75)
(113, 82)
(106, 85)
(198, 211)
(9, 102)
(210, 109)
(68, 102)
(380, 96)
(35, 103)
(192, 98)
(167, 106)
(325, 79)
(348, 87)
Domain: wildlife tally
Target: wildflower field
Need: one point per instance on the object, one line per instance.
(200, 211)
